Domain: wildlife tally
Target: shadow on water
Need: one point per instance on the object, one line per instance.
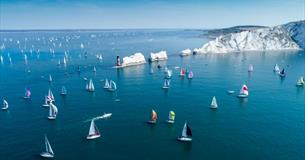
(242, 101)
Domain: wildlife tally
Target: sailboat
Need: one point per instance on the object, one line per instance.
(48, 153)
(94, 69)
(282, 73)
(50, 78)
(107, 84)
(93, 131)
(50, 96)
(186, 135)
(5, 105)
(190, 75)
(63, 91)
(53, 111)
(243, 93)
(250, 69)
(58, 63)
(65, 61)
(166, 84)
(182, 71)
(300, 82)
(154, 117)
(90, 86)
(1, 59)
(112, 87)
(46, 102)
(168, 74)
(276, 68)
(27, 93)
(214, 103)
(171, 117)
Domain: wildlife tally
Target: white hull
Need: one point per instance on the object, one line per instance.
(165, 87)
(151, 122)
(111, 90)
(26, 97)
(242, 96)
(170, 121)
(51, 117)
(45, 105)
(184, 139)
(231, 92)
(299, 84)
(213, 107)
(4, 108)
(89, 137)
(46, 155)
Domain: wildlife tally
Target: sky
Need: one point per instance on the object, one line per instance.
(123, 14)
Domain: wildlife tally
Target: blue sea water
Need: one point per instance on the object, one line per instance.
(267, 125)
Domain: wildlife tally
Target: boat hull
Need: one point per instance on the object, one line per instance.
(46, 155)
(242, 96)
(4, 108)
(184, 139)
(213, 107)
(170, 121)
(151, 122)
(90, 137)
(51, 118)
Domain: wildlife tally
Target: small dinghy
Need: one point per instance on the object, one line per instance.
(250, 69)
(107, 84)
(243, 93)
(230, 91)
(5, 105)
(52, 111)
(27, 93)
(186, 135)
(63, 91)
(50, 78)
(48, 153)
(90, 86)
(276, 68)
(282, 73)
(50, 96)
(166, 84)
(190, 75)
(112, 87)
(300, 82)
(214, 103)
(46, 102)
(93, 131)
(182, 72)
(154, 117)
(171, 117)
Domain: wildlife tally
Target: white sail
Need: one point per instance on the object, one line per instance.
(91, 86)
(250, 69)
(113, 86)
(93, 131)
(50, 78)
(52, 111)
(63, 90)
(276, 68)
(214, 103)
(51, 96)
(94, 69)
(107, 85)
(244, 90)
(5, 104)
(48, 146)
(184, 130)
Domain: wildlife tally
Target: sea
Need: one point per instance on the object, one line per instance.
(268, 125)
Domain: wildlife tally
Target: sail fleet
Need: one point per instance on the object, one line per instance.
(111, 86)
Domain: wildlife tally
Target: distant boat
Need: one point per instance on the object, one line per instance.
(27, 93)
(171, 117)
(50, 78)
(214, 103)
(166, 84)
(182, 72)
(53, 111)
(282, 73)
(63, 91)
(50, 96)
(154, 117)
(186, 135)
(230, 91)
(190, 75)
(58, 63)
(65, 61)
(112, 87)
(250, 69)
(168, 74)
(300, 82)
(107, 84)
(1, 59)
(48, 153)
(46, 102)
(93, 131)
(243, 93)
(276, 68)
(90, 86)
(94, 69)
(5, 105)
(106, 116)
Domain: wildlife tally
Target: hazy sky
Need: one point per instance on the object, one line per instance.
(101, 14)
